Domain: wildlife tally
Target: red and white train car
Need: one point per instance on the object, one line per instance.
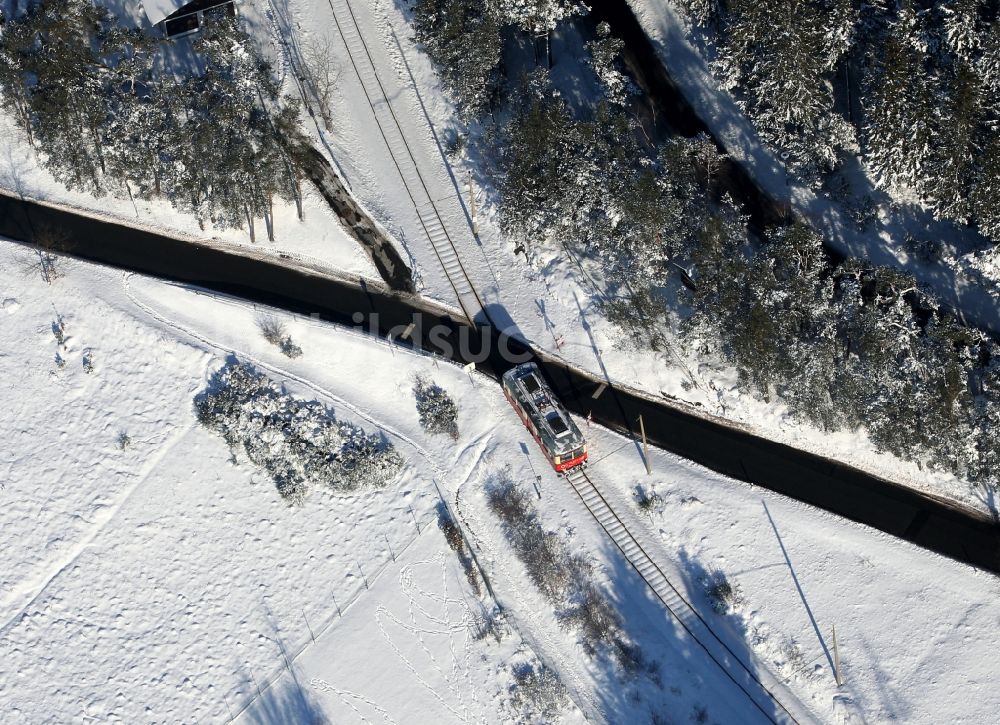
(545, 417)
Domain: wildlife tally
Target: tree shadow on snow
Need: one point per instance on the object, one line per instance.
(286, 703)
(671, 677)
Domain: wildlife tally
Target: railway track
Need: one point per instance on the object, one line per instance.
(761, 687)
(391, 130)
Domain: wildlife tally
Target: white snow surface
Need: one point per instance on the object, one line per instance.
(318, 242)
(157, 10)
(551, 300)
(163, 583)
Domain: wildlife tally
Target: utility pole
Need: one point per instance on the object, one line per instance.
(645, 447)
(472, 207)
(836, 659)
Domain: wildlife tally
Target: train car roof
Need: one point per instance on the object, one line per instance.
(543, 405)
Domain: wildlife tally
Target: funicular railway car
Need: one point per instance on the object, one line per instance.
(545, 417)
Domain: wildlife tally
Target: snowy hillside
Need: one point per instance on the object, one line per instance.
(383, 119)
(164, 579)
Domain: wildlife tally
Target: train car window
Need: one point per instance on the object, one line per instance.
(531, 384)
(557, 424)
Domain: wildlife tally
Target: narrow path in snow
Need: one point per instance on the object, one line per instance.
(930, 521)
(30, 592)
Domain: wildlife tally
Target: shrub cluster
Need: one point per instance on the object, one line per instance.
(453, 535)
(297, 442)
(537, 694)
(438, 412)
(564, 577)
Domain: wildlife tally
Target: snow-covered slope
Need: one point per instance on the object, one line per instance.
(163, 582)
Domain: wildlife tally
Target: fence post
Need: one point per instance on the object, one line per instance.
(836, 659)
(645, 447)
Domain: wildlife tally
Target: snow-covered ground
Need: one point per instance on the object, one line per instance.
(553, 300)
(317, 243)
(164, 583)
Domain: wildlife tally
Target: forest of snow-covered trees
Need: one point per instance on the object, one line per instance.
(106, 113)
(926, 73)
(844, 345)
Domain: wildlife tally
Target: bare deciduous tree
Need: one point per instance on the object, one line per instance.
(50, 242)
(322, 73)
(274, 332)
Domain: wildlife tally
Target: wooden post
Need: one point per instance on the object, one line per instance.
(836, 659)
(645, 448)
(472, 207)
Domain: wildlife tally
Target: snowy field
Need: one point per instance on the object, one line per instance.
(164, 583)
(552, 300)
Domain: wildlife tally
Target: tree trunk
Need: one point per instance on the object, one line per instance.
(270, 217)
(253, 236)
(22, 109)
(97, 147)
(298, 196)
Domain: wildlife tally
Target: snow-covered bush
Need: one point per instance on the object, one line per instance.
(564, 577)
(59, 330)
(273, 330)
(438, 412)
(647, 500)
(453, 535)
(537, 695)
(724, 596)
(297, 442)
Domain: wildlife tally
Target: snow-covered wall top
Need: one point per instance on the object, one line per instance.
(158, 10)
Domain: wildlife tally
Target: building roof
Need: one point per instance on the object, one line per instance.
(158, 10)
